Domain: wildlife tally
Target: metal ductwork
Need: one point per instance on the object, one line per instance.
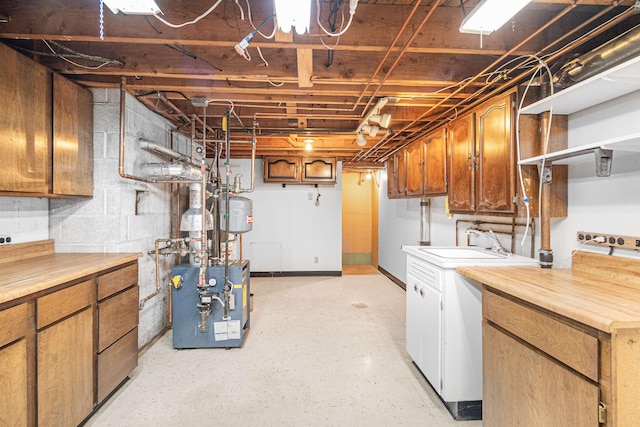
(610, 54)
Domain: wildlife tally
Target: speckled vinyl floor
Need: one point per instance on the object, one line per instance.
(322, 351)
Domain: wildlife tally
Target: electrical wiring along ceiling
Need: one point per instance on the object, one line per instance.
(314, 85)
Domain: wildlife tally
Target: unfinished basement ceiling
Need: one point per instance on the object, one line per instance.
(295, 88)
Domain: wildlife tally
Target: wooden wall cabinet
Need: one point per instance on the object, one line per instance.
(300, 170)
(72, 138)
(47, 124)
(25, 121)
(482, 157)
(420, 169)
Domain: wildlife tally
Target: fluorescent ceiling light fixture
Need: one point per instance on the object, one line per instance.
(382, 119)
(293, 13)
(489, 15)
(133, 7)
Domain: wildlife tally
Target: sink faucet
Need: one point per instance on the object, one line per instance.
(489, 234)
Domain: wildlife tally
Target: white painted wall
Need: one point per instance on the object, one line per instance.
(290, 233)
(108, 222)
(606, 205)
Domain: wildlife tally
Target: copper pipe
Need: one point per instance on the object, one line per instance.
(416, 134)
(386, 54)
(402, 51)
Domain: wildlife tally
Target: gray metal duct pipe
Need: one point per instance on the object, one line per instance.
(145, 144)
(170, 170)
(615, 51)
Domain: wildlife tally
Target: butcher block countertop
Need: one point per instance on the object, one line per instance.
(599, 291)
(29, 271)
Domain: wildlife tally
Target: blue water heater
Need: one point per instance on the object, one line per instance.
(199, 313)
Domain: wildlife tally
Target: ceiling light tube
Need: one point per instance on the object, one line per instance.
(293, 13)
(489, 15)
(133, 7)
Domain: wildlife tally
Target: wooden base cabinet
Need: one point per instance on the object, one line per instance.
(541, 369)
(14, 383)
(117, 327)
(65, 371)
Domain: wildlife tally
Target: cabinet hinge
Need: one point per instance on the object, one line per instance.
(602, 413)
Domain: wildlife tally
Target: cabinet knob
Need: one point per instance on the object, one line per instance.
(421, 292)
(415, 288)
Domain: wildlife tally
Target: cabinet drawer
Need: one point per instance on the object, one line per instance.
(13, 324)
(116, 362)
(425, 273)
(116, 317)
(53, 307)
(111, 283)
(565, 343)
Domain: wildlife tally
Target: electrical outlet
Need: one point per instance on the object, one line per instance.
(606, 239)
(316, 260)
(5, 240)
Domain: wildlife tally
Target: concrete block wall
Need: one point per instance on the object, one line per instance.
(108, 222)
(24, 219)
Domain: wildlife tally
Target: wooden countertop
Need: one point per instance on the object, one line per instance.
(595, 298)
(24, 277)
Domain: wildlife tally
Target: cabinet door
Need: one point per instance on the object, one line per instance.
(414, 158)
(318, 170)
(431, 321)
(495, 189)
(462, 165)
(65, 371)
(413, 319)
(435, 164)
(402, 174)
(72, 138)
(392, 177)
(25, 121)
(281, 169)
(13, 384)
(523, 387)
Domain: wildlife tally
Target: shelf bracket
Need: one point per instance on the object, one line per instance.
(545, 174)
(603, 162)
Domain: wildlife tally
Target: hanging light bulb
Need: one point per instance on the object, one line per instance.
(293, 13)
(308, 144)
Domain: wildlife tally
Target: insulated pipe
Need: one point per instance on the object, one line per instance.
(546, 254)
(171, 170)
(621, 48)
(204, 260)
(227, 287)
(148, 145)
(478, 75)
(425, 222)
(121, 154)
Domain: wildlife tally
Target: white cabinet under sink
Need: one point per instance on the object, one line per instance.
(424, 319)
(444, 322)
